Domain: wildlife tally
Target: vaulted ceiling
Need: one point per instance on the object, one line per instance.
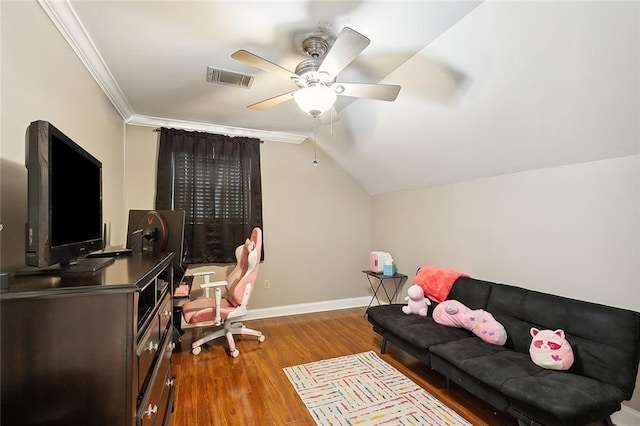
(488, 88)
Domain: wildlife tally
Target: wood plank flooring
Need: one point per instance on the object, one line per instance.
(215, 389)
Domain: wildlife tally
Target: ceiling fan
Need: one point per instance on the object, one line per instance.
(316, 76)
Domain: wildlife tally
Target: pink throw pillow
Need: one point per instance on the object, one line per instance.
(436, 282)
(549, 349)
(481, 323)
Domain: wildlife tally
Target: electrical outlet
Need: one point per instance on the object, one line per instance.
(267, 285)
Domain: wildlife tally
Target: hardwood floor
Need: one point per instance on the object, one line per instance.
(215, 389)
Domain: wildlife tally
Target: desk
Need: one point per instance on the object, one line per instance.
(379, 278)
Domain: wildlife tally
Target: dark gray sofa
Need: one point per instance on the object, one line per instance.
(605, 341)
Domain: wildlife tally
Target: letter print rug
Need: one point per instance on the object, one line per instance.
(362, 389)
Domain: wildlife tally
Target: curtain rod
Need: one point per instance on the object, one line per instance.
(157, 129)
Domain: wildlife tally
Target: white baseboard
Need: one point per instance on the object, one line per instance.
(626, 417)
(308, 308)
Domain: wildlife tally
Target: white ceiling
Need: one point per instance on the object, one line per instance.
(488, 88)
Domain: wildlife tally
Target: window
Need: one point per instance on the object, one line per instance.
(216, 180)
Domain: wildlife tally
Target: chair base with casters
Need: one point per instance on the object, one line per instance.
(229, 330)
(223, 317)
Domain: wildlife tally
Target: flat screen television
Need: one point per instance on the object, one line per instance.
(64, 209)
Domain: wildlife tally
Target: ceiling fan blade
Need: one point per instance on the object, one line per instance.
(258, 62)
(276, 100)
(381, 92)
(345, 49)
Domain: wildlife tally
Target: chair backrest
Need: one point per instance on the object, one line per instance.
(246, 270)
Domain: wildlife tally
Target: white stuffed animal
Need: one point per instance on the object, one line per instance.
(417, 302)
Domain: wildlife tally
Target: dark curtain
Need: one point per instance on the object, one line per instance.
(216, 180)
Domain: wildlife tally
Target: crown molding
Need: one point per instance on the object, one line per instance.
(66, 20)
(264, 135)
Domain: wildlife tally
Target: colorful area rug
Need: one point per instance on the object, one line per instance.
(362, 389)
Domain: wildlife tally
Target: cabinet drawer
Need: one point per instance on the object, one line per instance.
(158, 397)
(165, 404)
(155, 333)
(146, 351)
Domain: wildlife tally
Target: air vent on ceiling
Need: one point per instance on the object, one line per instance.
(229, 78)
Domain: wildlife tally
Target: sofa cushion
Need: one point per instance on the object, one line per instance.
(471, 292)
(488, 363)
(421, 332)
(570, 398)
(567, 398)
(602, 348)
(453, 374)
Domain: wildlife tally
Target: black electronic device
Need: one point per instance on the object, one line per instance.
(111, 251)
(159, 231)
(64, 203)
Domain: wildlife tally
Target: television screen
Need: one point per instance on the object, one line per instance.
(74, 176)
(64, 201)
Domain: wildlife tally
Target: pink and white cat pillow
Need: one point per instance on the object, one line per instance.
(549, 349)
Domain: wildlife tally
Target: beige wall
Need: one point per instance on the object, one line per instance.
(141, 156)
(316, 221)
(43, 79)
(572, 231)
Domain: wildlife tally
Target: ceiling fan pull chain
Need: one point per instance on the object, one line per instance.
(315, 137)
(331, 121)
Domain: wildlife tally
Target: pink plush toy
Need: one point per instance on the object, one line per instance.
(417, 302)
(549, 349)
(481, 323)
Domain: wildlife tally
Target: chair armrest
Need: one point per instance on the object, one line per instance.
(221, 270)
(218, 297)
(216, 285)
(213, 284)
(203, 273)
(200, 273)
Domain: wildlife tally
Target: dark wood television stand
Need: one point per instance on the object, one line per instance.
(89, 348)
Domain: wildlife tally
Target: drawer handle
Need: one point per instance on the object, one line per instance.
(166, 313)
(151, 411)
(171, 347)
(152, 347)
(169, 383)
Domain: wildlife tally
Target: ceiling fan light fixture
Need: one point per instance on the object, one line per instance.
(314, 100)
